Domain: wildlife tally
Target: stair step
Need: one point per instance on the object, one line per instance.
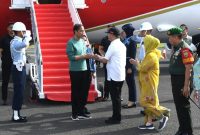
(57, 87)
(49, 6)
(57, 80)
(53, 45)
(55, 29)
(51, 10)
(65, 14)
(55, 72)
(55, 65)
(52, 19)
(54, 39)
(53, 24)
(53, 51)
(56, 34)
(55, 58)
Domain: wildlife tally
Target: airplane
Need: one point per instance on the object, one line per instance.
(162, 14)
(52, 24)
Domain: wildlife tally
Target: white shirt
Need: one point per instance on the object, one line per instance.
(116, 56)
(17, 49)
(141, 54)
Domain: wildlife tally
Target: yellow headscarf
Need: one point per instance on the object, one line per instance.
(151, 44)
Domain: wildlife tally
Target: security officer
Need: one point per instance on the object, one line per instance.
(180, 67)
(18, 47)
(146, 28)
(6, 61)
(131, 49)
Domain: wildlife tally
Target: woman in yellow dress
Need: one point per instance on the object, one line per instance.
(148, 82)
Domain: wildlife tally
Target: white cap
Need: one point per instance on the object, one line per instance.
(19, 26)
(144, 26)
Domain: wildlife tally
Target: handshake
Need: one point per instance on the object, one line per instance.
(92, 56)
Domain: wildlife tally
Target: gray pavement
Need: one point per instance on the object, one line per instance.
(53, 118)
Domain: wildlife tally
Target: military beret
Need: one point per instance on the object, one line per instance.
(174, 31)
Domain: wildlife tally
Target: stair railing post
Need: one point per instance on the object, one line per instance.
(38, 54)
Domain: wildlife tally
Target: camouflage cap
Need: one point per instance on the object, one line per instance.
(174, 31)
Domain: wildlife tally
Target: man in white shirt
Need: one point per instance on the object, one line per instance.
(186, 37)
(115, 58)
(145, 29)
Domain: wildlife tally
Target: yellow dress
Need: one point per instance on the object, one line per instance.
(149, 71)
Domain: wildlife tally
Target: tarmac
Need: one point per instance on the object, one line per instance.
(53, 118)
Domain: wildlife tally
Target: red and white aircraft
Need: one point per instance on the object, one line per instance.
(163, 14)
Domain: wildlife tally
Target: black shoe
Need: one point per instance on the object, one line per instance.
(105, 99)
(74, 117)
(112, 121)
(86, 111)
(163, 123)
(20, 120)
(142, 112)
(84, 116)
(150, 127)
(178, 133)
(129, 106)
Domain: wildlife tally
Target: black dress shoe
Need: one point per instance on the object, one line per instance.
(129, 106)
(178, 133)
(142, 112)
(86, 111)
(105, 99)
(112, 121)
(20, 120)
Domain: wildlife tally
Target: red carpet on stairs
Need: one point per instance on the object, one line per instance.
(55, 29)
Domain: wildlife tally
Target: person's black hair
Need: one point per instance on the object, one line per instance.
(110, 26)
(184, 25)
(9, 24)
(77, 27)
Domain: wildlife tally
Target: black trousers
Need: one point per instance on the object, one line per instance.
(79, 91)
(182, 104)
(88, 81)
(106, 87)
(115, 92)
(6, 71)
(19, 80)
(130, 80)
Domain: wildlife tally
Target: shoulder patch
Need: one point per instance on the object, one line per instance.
(187, 56)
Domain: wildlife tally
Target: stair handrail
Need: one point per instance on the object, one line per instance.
(38, 53)
(76, 19)
(73, 12)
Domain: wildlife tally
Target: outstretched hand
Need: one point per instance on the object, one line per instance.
(89, 56)
(134, 61)
(96, 56)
